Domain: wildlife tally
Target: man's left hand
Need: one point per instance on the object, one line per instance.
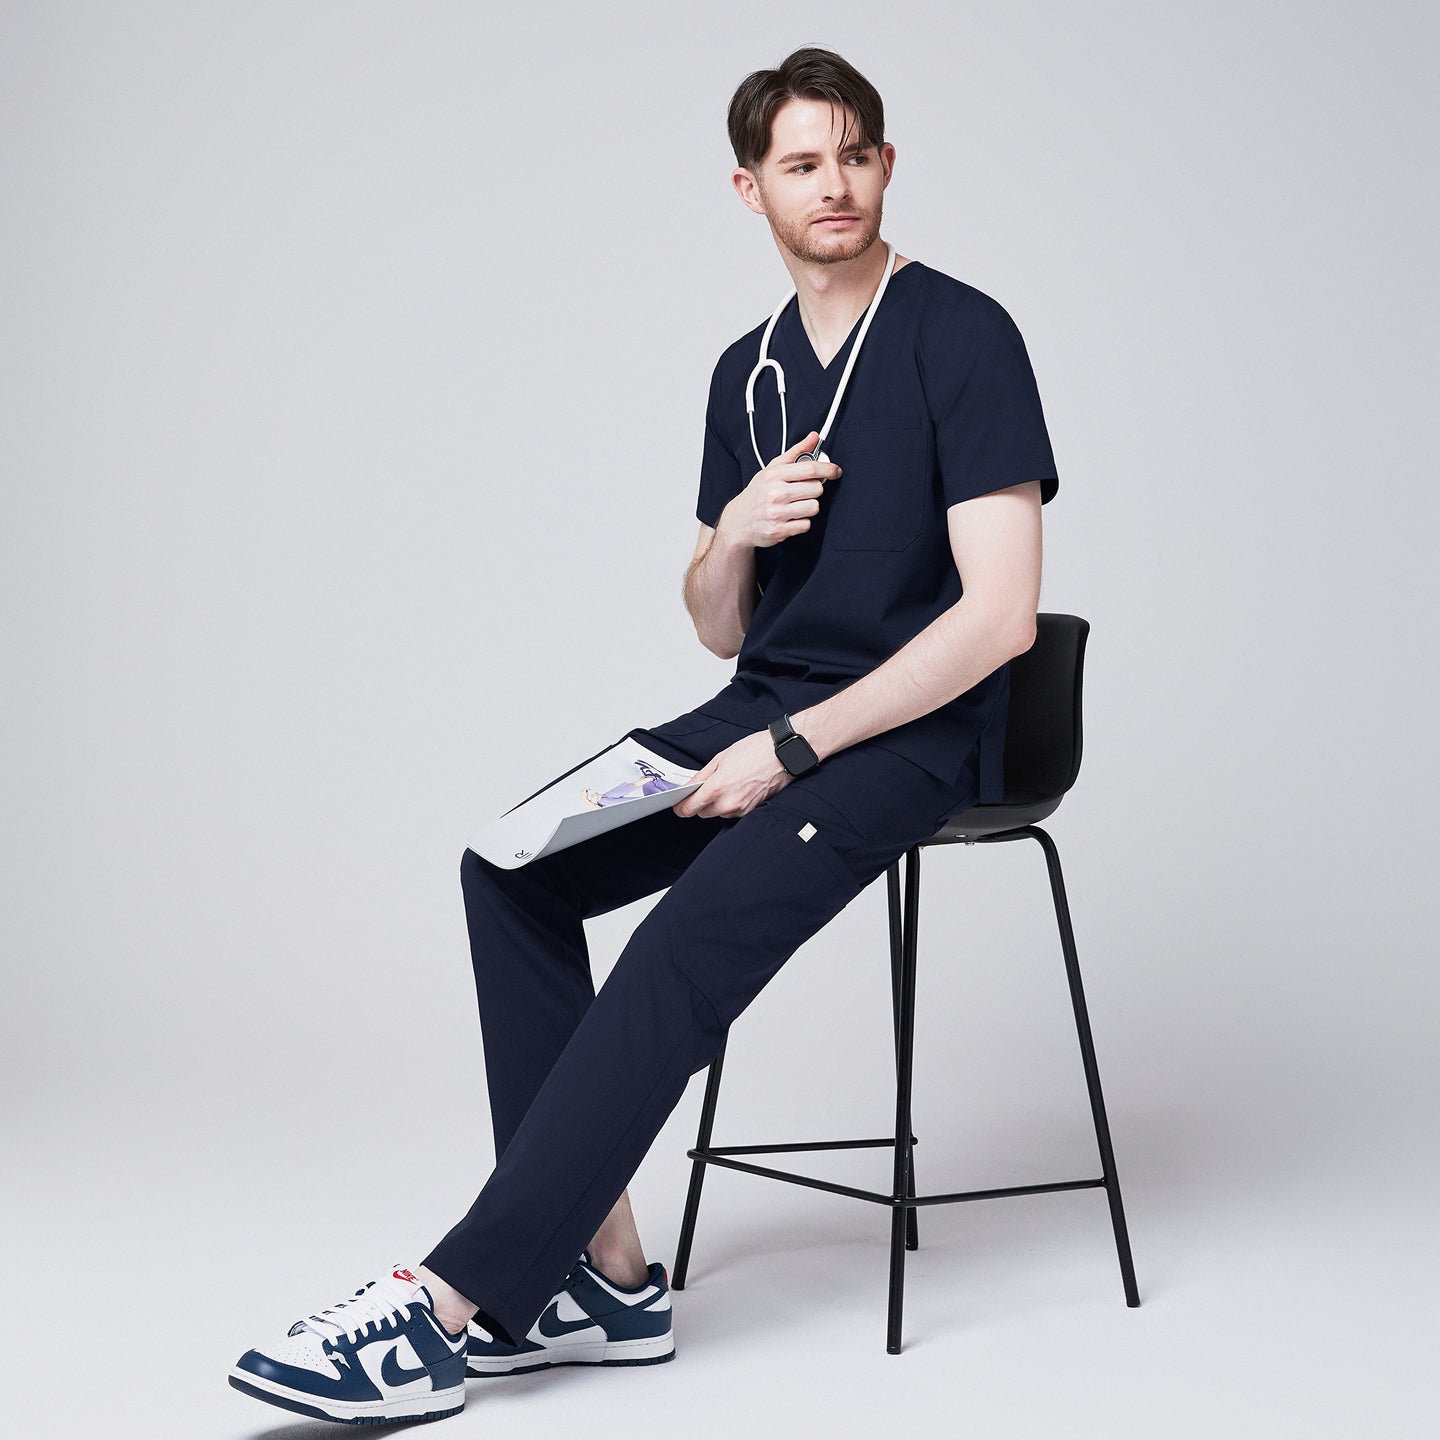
(737, 780)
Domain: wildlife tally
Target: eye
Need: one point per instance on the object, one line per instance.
(860, 157)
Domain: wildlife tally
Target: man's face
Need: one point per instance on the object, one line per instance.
(823, 202)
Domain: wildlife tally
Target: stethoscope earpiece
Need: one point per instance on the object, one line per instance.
(766, 363)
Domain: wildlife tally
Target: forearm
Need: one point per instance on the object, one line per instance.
(951, 655)
(721, 593)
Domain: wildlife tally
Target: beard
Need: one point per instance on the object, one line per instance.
(819, 248)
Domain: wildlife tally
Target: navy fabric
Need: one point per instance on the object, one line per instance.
(581, 1083)
(942, 407)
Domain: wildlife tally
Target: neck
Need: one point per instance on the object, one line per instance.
(833, 297)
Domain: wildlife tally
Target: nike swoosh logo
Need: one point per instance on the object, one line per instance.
(552, 1327)
(392, 1373)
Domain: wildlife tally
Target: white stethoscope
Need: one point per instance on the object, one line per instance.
(766, 363)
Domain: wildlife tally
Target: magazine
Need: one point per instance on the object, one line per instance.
(623, 784)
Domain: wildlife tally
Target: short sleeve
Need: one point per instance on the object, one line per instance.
(989, 428)
(720, 477)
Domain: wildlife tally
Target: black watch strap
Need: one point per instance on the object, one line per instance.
(793, 751)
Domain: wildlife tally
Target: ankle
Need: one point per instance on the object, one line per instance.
(626, 1271)
(451, 1308)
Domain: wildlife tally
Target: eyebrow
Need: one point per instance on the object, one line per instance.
(853, 148)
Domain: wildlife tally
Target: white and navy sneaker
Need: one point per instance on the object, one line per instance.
(592, 1321)
(377, 1357)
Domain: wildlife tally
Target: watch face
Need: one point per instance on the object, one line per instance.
(793, 751)
(796, 755)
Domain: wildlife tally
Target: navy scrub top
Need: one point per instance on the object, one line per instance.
(942, 407)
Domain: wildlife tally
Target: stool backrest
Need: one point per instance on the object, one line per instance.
(1043, 732)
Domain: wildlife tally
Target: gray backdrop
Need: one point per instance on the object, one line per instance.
(354, 364)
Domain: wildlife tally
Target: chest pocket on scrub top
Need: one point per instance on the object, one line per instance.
(879, 503)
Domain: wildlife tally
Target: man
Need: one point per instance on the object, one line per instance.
(873, 594)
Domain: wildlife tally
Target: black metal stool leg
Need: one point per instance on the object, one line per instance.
(1092, 1070)
(892, 890)
(697, 1171)
(905, 1057)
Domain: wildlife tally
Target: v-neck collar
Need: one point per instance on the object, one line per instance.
(804, 364)
(819, 379)
(807, 348)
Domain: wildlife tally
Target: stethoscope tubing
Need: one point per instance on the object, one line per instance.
(766, 363)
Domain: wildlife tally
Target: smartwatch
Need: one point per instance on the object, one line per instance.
(793, 751)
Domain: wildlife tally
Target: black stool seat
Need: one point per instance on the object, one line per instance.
(1042, 760)
(1016, 811)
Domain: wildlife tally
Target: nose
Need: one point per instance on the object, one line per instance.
(837, 180)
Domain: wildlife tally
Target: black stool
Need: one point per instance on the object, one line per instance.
(1042, 759)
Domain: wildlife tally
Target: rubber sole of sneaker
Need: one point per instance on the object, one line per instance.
(652, 1351)
(373, 1412)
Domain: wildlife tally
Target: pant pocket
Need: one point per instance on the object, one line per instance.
(824, 860)
(754, 896)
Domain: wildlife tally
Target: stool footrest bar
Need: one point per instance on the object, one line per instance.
(725, 1157)
(710, 1157)
(795, 1147)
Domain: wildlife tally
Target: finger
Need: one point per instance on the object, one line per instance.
(797, 490)
(801, 510)
(811, 472)
(799, 448)
(694, 802)
(801, 491)
(700, 807)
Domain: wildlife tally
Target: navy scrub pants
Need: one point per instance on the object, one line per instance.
(581, 1083)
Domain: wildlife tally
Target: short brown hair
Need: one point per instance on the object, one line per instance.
(808, 74)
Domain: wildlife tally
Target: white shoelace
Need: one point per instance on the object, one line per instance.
(368, 1306)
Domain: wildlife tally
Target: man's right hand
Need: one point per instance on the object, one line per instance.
(780, 501)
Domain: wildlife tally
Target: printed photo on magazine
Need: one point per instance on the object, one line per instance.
(625, 783)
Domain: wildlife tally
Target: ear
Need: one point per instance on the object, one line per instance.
(887, 161)
(747, 187)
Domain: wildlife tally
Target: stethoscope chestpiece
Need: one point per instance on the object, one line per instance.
(819, 455)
